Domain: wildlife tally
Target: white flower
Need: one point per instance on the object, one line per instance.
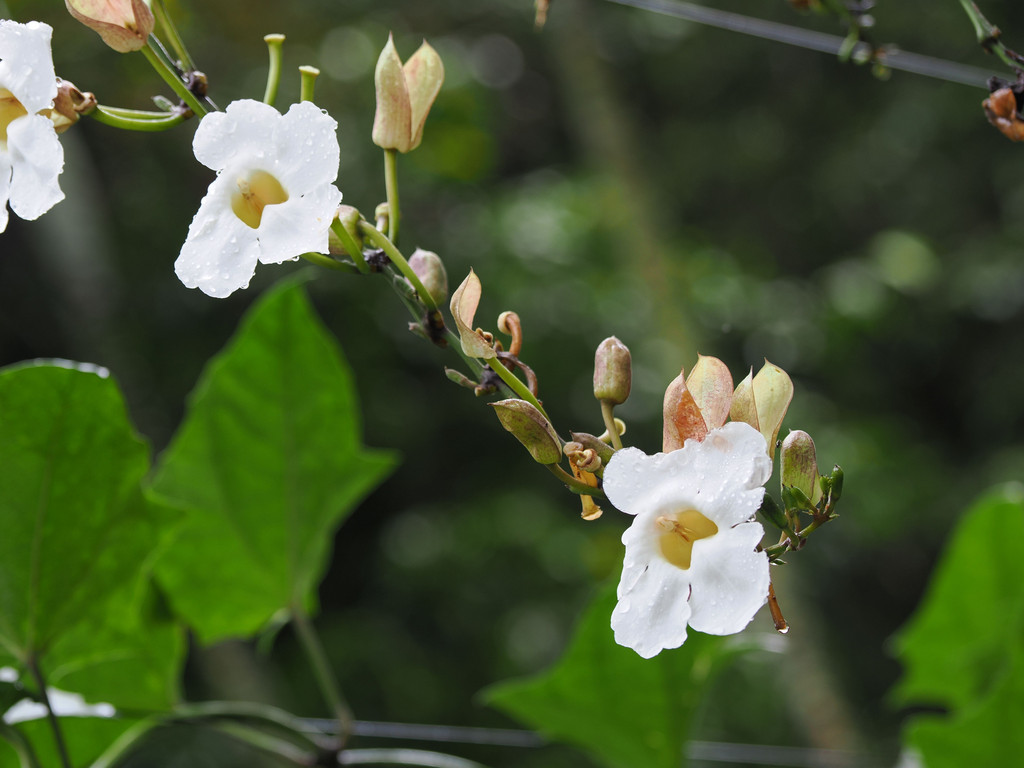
(690, 555)
(31, 157)
(273, 198)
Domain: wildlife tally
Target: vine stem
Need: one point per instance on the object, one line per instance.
(420, 757)
(391, 187)
(608, 414)
(171, 77)
(147, 122)
(326, 680)
(167, 25)
(988, 36)
(573, 484)
(44, 697)
(383, 242)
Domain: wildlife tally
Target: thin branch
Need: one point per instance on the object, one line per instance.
(419, 757)
(940, 69)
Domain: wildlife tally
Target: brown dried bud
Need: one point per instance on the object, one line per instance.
(69, 105)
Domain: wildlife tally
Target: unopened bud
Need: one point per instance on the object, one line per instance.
(430, 270)
(613, 373)
(405, 94)
(124, 25)
(800, 464)
(531, 429)
(349, 219)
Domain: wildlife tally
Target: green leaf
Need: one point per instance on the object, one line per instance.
(86, 739)
(624, 710)
(985, 733)
(959, 644)
(75, 526)
(267, 464)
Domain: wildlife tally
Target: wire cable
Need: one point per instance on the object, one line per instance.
(928, 66)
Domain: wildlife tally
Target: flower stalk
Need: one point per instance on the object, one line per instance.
(391, 190)
(171, 77)
(44, 697)
(275, 44)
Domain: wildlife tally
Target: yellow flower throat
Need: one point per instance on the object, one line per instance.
(678, 532)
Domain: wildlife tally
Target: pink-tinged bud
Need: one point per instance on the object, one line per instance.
(800, 465)
(762, 401)
(405, 94)
(463, 306)
(124, 25)
(531, 429)
(682, 417)
(696, 404)
(710, 383)
(430, 270)
(613, 372)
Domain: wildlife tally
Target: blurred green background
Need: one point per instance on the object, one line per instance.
(625, 173)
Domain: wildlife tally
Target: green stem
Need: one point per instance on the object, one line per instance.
(322, 670)
(171, 33)
(350, 245)
(517, 386)
(171, 78)
(270, 744)
(419, 757)
(801, 537)
(608, 414)
(44, 697)
(378, 238)
(988, 36)
(147, 122)
(391, 187)
(274, 45)
(574, 485)
(326, 261)
(307, 82)
(26, 755)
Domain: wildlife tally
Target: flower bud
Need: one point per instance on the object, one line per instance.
(124, 25)
(430, 270)
(800, 465)
(404, 96)
(531, 429)
(762, 401)
(349, 218)
(613, 373)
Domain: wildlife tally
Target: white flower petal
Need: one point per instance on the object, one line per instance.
(729, 579)
(37, 158)
(298, 225)
(306, 148)
(220, 253)
(26, 64)
(244, 133)
(651, 616)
